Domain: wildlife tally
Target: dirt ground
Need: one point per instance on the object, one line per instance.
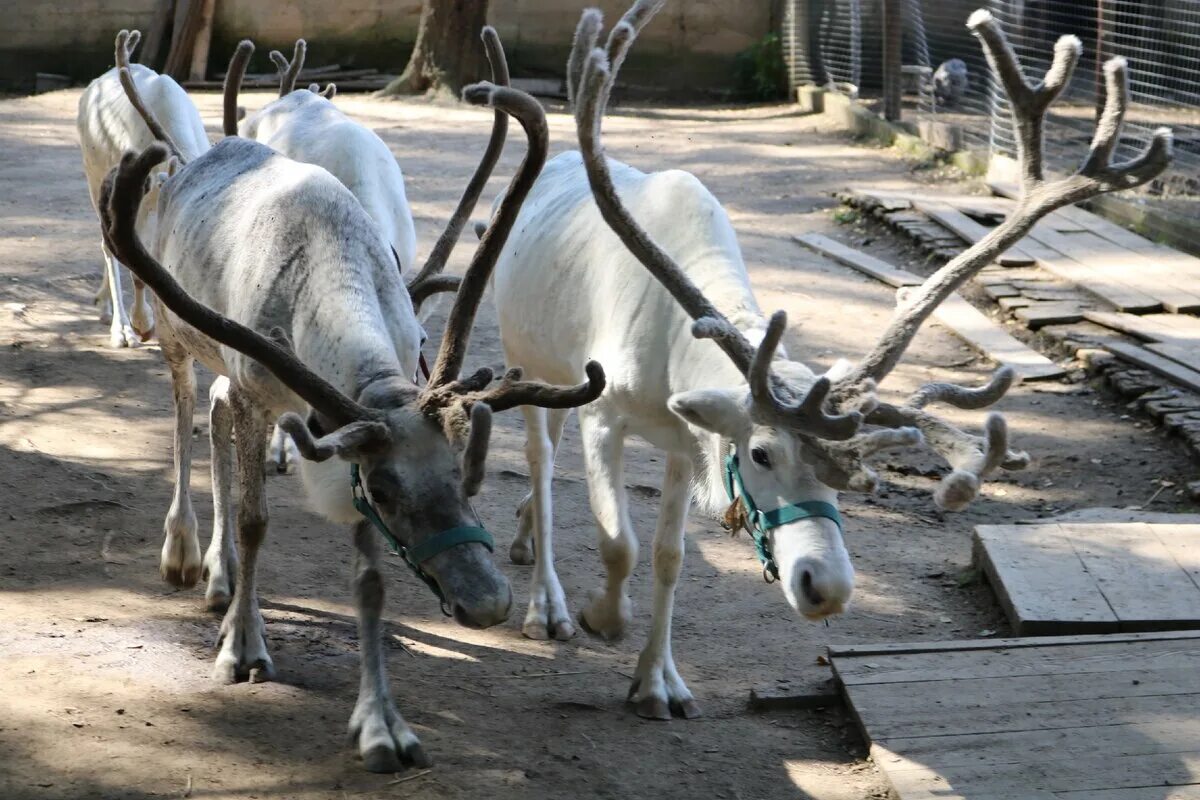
(104, 669)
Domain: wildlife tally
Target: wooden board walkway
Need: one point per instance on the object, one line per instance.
(971, 324)
(1109, 717)
(1117, 266)
(1093, 577)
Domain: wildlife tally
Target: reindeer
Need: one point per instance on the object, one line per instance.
(305, 126)
(279, 282)
(108, 126)
(697, 370)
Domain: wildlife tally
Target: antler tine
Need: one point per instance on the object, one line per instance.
(1028, 102)
(125, 196)
(233, 84)
(529, 113)
(444, 246)
(126, 42)
(156, 128)
(512, 391)
(1096, 176)
(289, 71)
(330, 91)
(808, 414)
(475, 453)
(587, 34)
(435, 284)
(963, 397)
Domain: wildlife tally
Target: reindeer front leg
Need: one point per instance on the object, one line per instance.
(385, 741)
(657, 690)
(608, 610)
(243, 636)
(547, 616)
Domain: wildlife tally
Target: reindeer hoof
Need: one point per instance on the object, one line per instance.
(522, 552)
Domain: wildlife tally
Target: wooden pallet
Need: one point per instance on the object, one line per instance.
(1056, 577)
(1059, 718)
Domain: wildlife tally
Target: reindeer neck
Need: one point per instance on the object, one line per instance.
(352, 349)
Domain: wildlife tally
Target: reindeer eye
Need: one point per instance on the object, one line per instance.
(760, 457)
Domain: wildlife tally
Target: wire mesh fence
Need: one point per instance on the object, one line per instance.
(838, 44)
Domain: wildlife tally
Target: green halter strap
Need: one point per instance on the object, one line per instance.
(761, 522)
(415, 555)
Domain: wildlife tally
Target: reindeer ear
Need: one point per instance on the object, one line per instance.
(715, 410)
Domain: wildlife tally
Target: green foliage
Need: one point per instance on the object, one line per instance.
(761, 74)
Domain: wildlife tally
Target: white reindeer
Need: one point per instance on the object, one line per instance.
(305, 126)
(695, 368)
(109, 126)
(280, 283)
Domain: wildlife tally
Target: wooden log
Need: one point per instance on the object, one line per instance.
(159, 31)
(199, 64)
(188, 15)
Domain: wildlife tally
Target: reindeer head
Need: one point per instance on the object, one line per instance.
(418, 454)
(791, 434)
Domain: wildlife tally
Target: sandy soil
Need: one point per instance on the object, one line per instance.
(104, 669)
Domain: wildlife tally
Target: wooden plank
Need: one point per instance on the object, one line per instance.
(1156, 363)
(1191, 792)
(1020, 713)
(1102, 285)
(855, 259)
(1184, 355)
(1140, 579)
(1146, 327)
(846, 651)
(1089, 660)
(1041, 582)
(1183, 544)
(890, 708)
(1136, 270)
(970, 230)
(913, 780)
(987, 336)
(1174, 733)
(1038, 315)
(971, 324)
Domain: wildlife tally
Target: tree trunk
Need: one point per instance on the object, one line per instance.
(448, 54)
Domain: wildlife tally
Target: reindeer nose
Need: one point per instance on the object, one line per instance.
(822, 589)
(810, 592)
(486, 611)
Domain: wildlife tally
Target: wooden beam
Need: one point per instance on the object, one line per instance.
(858, 260)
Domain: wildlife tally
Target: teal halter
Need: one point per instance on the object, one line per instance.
(413, 556)
(760, 522)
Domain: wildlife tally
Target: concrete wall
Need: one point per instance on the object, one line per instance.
(690, 46)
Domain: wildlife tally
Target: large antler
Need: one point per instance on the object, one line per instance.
(121, 194)
(429, 279)
(591, 73)
(444, 387)
(233, 84)
(123, 50)
(289, 70)
(974, 457)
